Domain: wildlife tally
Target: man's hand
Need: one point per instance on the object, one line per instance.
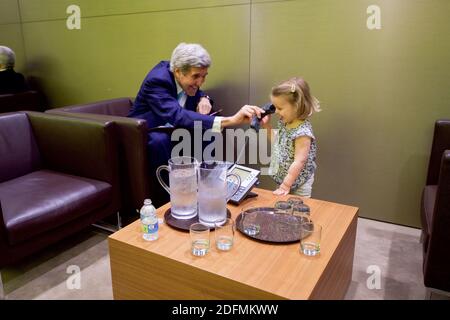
(204, 106)
(243, 116)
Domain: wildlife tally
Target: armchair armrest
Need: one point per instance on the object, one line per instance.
(441, 142)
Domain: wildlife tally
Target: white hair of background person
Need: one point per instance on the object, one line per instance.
(7, 57)
(187, 55)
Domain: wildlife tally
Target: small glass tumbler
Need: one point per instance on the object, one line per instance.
(224, 234)
(295, 200)
(302, 212)
(199, 239)
(310, 242)
(283, 207)
(249, 220)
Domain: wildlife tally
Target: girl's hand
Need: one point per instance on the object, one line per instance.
(265, 122)
(282, 190)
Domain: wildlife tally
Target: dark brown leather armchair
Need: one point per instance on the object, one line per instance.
(57, 176)
(435, 212)
(28, 100)
(132, 138)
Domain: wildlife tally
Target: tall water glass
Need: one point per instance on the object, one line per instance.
(183, 186)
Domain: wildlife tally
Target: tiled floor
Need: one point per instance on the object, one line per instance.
(387, 262)
(387, 265)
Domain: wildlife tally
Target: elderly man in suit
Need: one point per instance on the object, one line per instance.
(170, 95)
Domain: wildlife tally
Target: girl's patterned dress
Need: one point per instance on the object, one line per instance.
(284, 150)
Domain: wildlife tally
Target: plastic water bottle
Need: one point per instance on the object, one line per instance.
(149, 221)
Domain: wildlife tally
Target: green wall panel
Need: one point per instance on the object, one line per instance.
(110, 56)
(37, 10)
(9, 12)
(10, 31)
(381, 91)
(260, 1)
(11, 36)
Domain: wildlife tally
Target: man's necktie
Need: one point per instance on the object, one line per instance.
(181, 97)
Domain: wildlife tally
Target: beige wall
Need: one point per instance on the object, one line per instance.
(381, 90)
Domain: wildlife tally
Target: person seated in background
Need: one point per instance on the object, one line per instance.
(10, 81)
(170, 95)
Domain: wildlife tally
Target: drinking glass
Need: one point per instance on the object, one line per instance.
(310, 238)
(300, 209)
(224, 234)
(295, 200)
(250, 223)
(283, 207)
(199, 239)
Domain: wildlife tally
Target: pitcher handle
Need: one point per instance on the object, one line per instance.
(238, 185)
(158, 175)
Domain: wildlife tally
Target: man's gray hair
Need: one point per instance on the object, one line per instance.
(7, 57)
(187, 55)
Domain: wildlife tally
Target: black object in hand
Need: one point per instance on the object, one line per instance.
(256, 122)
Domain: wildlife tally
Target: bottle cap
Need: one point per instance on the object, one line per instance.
(147, 201)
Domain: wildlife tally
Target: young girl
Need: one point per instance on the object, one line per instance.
(293, 160)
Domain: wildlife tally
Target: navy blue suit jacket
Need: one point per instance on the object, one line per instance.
(157, 102)
(12, 82)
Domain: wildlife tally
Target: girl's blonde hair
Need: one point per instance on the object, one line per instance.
(296, 91)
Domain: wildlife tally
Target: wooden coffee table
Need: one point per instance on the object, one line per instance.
(165, 269)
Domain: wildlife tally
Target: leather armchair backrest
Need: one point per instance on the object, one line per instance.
(113, 107)
(441, 142)
(19, 152)
(132, 138)
(27, 100)
(437, 259)
(62, 140)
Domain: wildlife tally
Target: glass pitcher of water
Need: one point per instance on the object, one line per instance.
(183, 186)
(215, 188)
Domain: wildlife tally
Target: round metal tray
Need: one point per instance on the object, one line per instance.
(267, 226)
